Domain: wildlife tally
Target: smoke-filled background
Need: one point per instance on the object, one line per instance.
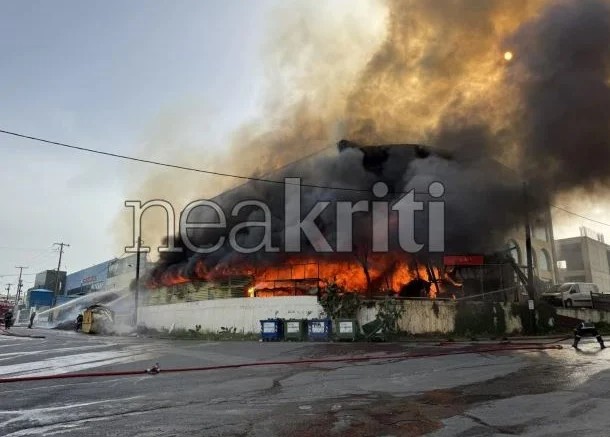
(429, 72)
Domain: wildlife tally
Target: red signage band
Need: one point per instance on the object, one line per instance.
(463, 260)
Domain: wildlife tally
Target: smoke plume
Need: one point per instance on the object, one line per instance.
(437, 77)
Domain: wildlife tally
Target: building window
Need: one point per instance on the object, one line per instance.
(572, 254)
(545, 261)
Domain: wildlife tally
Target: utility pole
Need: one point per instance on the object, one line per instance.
(8, 291)
(531, 291)
(61, 252)
(137, 293)
(19, 283)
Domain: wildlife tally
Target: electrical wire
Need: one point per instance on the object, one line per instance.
(242, 177)
(176, 166)
(581, 216)
(27, 249)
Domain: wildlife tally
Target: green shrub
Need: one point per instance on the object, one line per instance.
(339, 303)
(389, 312)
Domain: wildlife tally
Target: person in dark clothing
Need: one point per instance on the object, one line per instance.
(79, 322)
(587, 329)
(8, 319)
(32, 317)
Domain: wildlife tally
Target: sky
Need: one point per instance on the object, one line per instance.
(101, 74)
(106, 75)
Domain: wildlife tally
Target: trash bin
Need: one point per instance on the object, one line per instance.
(272, 329)
(347, 329)
(295, 330)
(373, 331)
(319, 329)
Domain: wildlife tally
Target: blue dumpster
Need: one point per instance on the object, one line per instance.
(319, 329)
(272, 329)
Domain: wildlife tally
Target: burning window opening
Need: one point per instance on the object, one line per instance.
(380, 275)
(414, 279)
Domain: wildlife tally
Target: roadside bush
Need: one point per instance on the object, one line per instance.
(338, 303)
(389, 312)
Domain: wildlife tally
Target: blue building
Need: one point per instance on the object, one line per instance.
(109, 275)
(87, 280)
(40, 297)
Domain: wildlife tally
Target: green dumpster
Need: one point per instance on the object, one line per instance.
(295, 330)
(347, 329)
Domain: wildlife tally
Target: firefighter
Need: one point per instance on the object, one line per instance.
(32, 317)
(8, 319)
(587, 329)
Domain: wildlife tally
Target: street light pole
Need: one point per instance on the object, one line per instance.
(61, 252)
(137, 293)
(19, 283)
(530, 264)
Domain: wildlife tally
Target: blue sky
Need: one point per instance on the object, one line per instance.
(100, 74)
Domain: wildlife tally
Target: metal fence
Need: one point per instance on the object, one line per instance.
(195, 291)
(601, 301)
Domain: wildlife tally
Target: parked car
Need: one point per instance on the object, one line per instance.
(571, 294)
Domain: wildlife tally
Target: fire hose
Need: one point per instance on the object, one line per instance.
(554, 340)
(407, 356)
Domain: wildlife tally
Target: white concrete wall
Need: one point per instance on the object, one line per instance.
(241, 313)
(245, 314)
(586, 314)
(420, 318)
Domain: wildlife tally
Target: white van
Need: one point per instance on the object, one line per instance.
(577, 294)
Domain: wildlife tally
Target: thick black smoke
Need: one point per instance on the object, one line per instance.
(353, 170)
(549, 112)
(562, 75)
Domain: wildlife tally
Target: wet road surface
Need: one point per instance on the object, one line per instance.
(481, 394)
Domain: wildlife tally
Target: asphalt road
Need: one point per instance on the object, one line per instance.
(544, 393)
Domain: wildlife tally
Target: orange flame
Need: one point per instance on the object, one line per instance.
(373, 274)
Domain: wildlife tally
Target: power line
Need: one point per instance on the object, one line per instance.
(17, 274)
(214, 173)
(40, 257)
(209, 172)
(277, 169)
(581, 216)
(175, 166)
(26, 249)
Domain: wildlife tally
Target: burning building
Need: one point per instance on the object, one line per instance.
(438, 77)
(245, 247)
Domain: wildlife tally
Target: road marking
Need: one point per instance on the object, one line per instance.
(77, 362)
(43, 415)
